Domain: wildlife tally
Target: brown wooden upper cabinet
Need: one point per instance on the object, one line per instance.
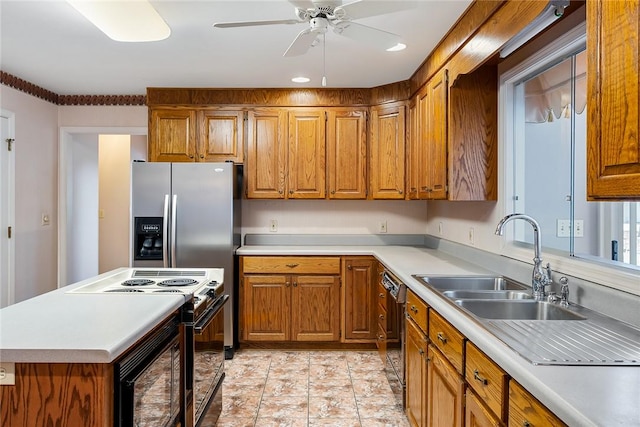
(387, 151)
(196, 135)
(347, 153)
(613, 143)
(306, 167)
(428, 140)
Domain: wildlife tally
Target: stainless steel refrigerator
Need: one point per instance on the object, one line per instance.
(188, 215)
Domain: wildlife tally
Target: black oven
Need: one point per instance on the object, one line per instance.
(205, 364)
(147, 380)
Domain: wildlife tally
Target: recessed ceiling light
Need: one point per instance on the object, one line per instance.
(300, 79)
(399, 46)
(124, 21)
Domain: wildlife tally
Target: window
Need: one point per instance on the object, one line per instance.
(545, 150)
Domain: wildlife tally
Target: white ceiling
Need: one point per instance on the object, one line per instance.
(50, 44)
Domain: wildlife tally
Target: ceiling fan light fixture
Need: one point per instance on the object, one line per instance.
(124, 21)
(301, 79)
(397, 47)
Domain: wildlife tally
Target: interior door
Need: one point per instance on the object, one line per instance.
(7, 161)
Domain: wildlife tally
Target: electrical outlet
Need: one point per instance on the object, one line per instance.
(382, 227)
(7, 373)
(273, 226)
(471, 236)
(563, 228)
(578, 228)
(440, 228)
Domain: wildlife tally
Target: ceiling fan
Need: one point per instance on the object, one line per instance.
(324, 14)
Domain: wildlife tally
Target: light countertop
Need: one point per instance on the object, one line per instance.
(61, 327)
(579, 395)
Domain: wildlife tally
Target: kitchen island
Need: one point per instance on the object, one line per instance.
(59, 349)
(578, 395)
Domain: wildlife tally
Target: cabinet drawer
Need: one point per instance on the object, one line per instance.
(447, 338)
(295, 265)
(524, 409)
(487, 380)
(417, 310)
(382, 296)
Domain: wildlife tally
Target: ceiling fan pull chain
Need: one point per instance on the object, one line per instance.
(324, 60)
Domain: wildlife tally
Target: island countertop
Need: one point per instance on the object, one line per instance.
(62, 327)
(579, 395)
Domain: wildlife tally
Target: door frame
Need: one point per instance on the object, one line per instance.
(65, 154)
(9, 275)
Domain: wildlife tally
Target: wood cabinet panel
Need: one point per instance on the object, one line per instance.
(417, 311)
(347, 153)
(526, 410)
(266, 307)
(436, 134)
(447, 339)
(487, 379)
(360, 299)
(387, 156)
(266, 153)
(416, 374)
(291, 264)
(306, 175)
(64, 394)
(221, 136)
(445, 392)
(476, 415)
(613, 145)
(172, 135)
(315, 308)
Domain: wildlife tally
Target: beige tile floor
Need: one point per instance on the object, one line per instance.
(308, 388)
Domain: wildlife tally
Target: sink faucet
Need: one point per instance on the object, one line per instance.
(541, 277)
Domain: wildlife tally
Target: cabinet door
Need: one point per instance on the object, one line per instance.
(306, 174)
(266, 307)
(387, 152)
(360, 299)
(613, 146)
(436, 135)
(315, 308)
(416, 375)
(347, 158)
(476, 415)
(221, 136)
(526, 410)
(445, 392)
(172, 135)
(266, 154)
(413, 150)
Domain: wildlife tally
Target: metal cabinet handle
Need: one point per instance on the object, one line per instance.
(421, 351)
(442, 338)
(381, 295)
(381, 317)
(292, 265)
(287, 284)
(295, 284)
(349, 267)
(380, 337)
(191, 156)
(202, 156)
(401, 192)
(279, 191)
(290, 191)
(477, 377)
(526, 423)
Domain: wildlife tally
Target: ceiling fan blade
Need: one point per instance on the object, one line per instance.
(362, 33)
(303, 4)
(363, 9)
(254, 23)
(302, 43)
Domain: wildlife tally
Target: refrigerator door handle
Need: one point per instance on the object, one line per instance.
(174, 207)
(165, 232)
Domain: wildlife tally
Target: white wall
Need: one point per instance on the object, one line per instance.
(36, 183)
(334, 216)
(114, 166)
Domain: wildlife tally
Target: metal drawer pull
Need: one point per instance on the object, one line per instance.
(292, 265)
(295, 284)
(525, 423)
(442, 338)
(287, 284)
(381, 317)
(421, 351)
(476, 376)
(381, 295)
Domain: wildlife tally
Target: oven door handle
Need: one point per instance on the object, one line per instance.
(208, 315)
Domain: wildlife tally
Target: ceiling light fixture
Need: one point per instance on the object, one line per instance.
(124, 21)
(397, 47)
(553, 11)
(300, 79)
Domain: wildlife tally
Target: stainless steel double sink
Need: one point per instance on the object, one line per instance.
(496, 297)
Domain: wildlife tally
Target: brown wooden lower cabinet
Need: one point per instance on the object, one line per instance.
(445, 392)
(360, 299)
(58, 394)
(476, 414)
(526, 410)
(416, 374)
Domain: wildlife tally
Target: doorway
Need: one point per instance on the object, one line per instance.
(7, 208)
(93, 185)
